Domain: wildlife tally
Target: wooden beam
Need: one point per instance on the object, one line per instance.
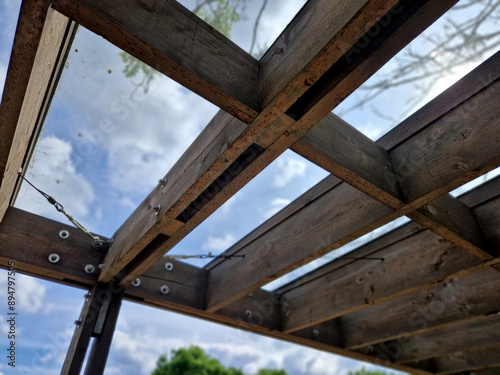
(40, 44)
(335, 281)
(362, 283)
(404, 25)
(309, 233)
(174, 41)
(20, 231)
(186, 293)
(464, 360)
(345, 152)
(483, 331)
(459, 298)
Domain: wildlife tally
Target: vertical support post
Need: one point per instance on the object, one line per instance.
(102, 343)
(97, 319)
(83, 332)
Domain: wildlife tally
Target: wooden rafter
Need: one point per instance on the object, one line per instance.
(143, 227)
(355, 213)
(40, 44)
(187, 284)
(178, 44)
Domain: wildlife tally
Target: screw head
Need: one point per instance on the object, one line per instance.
(89, 268)
(169, 266)
(54, 258)
(164, 289)
(136, 282)
(315, 333)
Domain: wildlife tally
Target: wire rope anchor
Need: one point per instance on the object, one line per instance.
(99, 243)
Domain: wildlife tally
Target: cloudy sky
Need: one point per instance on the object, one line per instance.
(105, 144)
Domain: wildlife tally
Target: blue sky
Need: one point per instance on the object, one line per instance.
(102, 150)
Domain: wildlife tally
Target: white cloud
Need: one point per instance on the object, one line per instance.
(288, 168)
(52, 170)
(218, 244)
(30, 294)
(276, 205)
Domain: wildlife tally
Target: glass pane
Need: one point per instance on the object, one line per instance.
(476, 182)
(109, 137)
(285, 179)
(449, 49)
(252, 24)
(9, 11)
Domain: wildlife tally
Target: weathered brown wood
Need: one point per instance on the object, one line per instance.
(466, 87)
(21, 231)
(176, 42)
(41, 40)
(483, 331)
(362, 283)
(410, 22)
(460, 298)
(464, 360)
(208, 157)
(451, 219)
(485, 371)
(452, 150)
(102, 343)
(481, 193)
(342, 150)
(77, 350)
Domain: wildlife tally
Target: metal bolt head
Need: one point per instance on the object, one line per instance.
(54, 258)
(89, 268)
(169, 266)
(315, 333)
(157, 209)
(164, 289)
(101, 266)
(136, 282)
(248, 313)
(163, 182)
(64, 234)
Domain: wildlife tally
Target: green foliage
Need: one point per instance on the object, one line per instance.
(192, 361)
(265, 371)
(364, 371)
(221, 15)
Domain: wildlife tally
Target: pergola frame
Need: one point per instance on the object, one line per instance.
(430, 307)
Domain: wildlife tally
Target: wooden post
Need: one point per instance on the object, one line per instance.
(102, 343)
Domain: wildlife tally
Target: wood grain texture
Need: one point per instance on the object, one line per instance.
(332, 220)
(344, 151)
(465, 360)
(98, 356)
(41, 40)
(287, 69)
(455, 149)
(462, 90)
(362, 283)
(461, 298)
(174, 41)
(78, 346)
(29, 239)
(483, 331)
